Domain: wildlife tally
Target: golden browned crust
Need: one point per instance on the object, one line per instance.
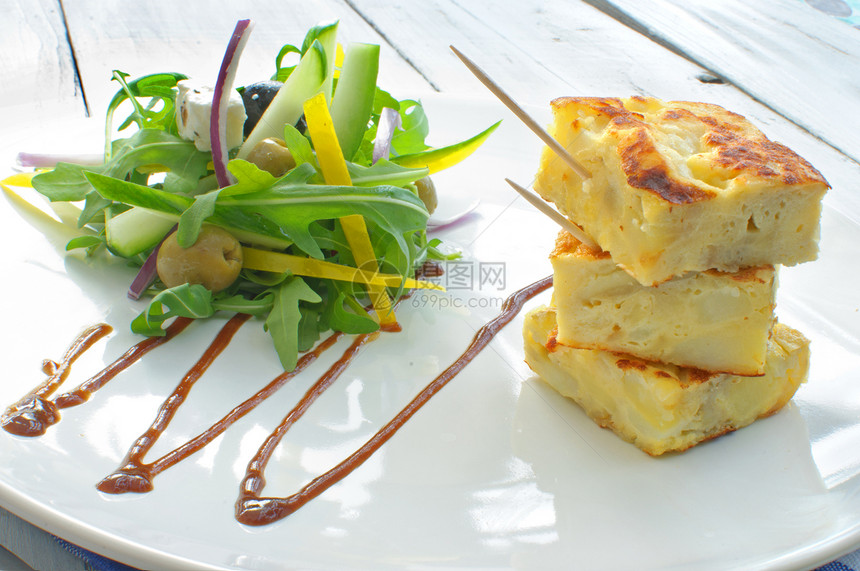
(566, 243)
(625, 364)
(552, 340)
(744, 274)
(646, 169)
(665, 416)
(684, 376)
(731, 142)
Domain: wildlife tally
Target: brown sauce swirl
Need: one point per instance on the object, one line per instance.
(251, 509)
(134, 475)
(35, 412)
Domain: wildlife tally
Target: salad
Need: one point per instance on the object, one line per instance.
(302, 199)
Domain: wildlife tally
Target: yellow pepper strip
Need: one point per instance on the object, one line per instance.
(362, 251)
(333, 166)
(36, 213)
(265, 261)
(443, 157)
(23, 179)
(65, 211)
(322, 133)
(338, 59)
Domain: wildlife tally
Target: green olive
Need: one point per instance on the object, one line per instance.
(213, 261)
(272, 156)
(427, 193)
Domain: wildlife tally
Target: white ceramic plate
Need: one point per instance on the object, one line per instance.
(497, 471)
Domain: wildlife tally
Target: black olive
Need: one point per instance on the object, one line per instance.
(301, 124)
(256, 98)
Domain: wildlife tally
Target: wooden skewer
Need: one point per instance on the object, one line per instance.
(581, 171)
(541, 205)
(556, 147)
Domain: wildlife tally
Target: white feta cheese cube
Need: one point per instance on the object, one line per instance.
(194, 110)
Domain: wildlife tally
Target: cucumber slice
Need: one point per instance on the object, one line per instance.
(353, 98)
(136, 230)
(139, 229)
(312, 75)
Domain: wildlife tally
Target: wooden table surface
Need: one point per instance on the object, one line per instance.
(789, 67)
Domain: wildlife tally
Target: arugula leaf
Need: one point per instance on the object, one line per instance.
(267, 279)
(394, 210)
(281, 72)
(159, 113)
(285, 210)
(251, 178)
(138, 194)
(384, 172)
(316, 32)
(409, 137)
(240, 304)
(383, 99)
(414, 129)
(300, 147)
(244, 226)
(85, 242)
(192, 219)
(283, 321)
(338, 318)
(68, 182)
(309, 326)
(194, 301)
(94, 204)
(65, 182)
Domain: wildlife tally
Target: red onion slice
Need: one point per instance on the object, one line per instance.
(45, 160)
(148, 271)
(218, 122)
(389, 121)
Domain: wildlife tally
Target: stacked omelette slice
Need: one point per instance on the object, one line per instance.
(666, 334)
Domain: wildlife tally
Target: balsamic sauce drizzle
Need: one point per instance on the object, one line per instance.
(35, 412)
(134, 475)
(251, 509)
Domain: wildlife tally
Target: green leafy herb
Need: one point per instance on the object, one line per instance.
(194, 301)
(154, 175)
(284, 209)
(159, 110)
(283, 321)
(414, 129)
(68, 182)
(85, 242)
(192, 219)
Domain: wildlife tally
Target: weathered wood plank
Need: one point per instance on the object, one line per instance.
(190, 37)
(9, 562)
(538, 51)
(36, 65)
(34, 547)
(796, 60)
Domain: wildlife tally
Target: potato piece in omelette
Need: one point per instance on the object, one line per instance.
(715, 321)
(679, 187)
(664, 408)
